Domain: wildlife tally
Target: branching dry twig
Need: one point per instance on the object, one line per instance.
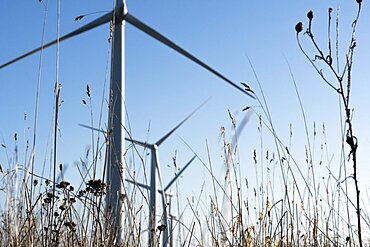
(343, 90)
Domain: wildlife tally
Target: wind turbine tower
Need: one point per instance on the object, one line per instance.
(116, 165)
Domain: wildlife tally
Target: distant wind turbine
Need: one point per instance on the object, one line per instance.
(154, 171)
(163, 192)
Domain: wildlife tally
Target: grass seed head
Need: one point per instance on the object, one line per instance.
(88, 90)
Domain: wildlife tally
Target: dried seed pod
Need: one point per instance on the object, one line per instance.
(246, 108)
(310, 15)
(161, 228)
(299, 27)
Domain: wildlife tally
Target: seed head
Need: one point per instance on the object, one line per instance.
(359, 1)
(299, 27)
(310, 15)
(161, 228)
(88, 90)
(79, 17)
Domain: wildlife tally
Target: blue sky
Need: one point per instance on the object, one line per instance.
(162, 87)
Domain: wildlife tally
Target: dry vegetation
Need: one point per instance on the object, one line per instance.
(312, 210)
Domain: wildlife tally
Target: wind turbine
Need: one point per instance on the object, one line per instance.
(115, 160)
(154, 171)
(162, 191)
(165, 202)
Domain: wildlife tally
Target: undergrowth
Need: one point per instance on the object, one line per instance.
(292, 201)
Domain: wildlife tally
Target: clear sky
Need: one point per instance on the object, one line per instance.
(162, 87)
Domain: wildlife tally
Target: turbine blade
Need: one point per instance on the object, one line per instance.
(160, 141)
(92, 128)
(179, 174)
(240, 128)
(156, 35)
(93, 24)
(144, 186)
(138, 184)
(143, 144)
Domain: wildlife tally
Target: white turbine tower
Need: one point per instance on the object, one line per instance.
(116, 146)
(116, 164)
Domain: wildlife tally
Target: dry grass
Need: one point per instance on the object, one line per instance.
(293, 202)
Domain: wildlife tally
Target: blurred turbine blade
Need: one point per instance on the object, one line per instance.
(97, 22)
(240, 128)
(159, 142)
(156, 35)
(179, 174)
